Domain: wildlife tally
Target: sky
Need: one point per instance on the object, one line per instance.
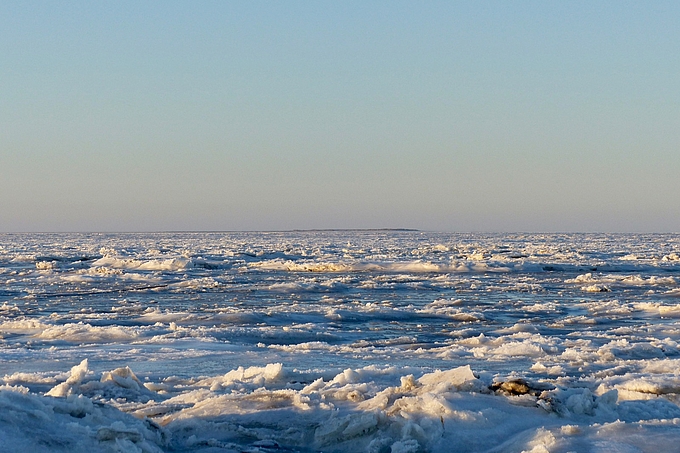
(467, 116)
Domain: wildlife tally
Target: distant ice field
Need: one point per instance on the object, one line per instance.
(339, 341)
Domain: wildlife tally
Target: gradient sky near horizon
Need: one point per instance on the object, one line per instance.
(276, 115)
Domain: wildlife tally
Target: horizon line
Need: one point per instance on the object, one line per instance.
(328, 230)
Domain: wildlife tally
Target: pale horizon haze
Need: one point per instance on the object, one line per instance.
(278, 115)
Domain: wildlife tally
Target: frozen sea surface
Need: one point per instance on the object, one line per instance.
(339, 341)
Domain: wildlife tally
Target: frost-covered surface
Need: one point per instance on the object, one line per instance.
(379, 341)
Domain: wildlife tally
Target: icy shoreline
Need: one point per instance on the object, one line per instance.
(272, 408)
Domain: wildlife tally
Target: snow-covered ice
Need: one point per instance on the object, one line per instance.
(339, 341)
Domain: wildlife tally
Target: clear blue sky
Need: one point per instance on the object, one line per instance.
(269, 115)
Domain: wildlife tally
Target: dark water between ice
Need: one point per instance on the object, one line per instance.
(187, 303)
